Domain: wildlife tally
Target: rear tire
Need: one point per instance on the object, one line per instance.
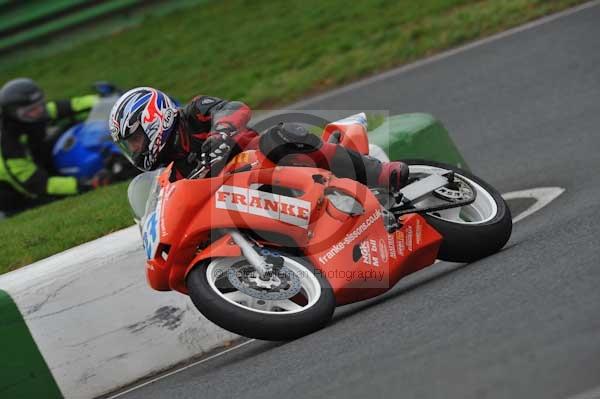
(261, 324)
(468, 241)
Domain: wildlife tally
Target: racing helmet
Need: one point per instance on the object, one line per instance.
(23, 101)
(141, 122)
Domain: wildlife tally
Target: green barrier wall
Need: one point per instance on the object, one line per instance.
(410, 136)
(23, 371)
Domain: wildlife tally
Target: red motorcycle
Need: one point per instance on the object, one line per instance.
(269, 251)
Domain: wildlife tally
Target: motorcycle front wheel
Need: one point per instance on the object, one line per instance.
(473, 231)
(297, 300)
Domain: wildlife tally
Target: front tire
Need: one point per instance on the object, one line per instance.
(222, 303)
(473, 231)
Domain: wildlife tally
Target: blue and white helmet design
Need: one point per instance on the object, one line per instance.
(141, 122)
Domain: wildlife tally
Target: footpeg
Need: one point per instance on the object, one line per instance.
(390, 221)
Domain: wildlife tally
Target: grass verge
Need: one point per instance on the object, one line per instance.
(264, 53)
(47, 230)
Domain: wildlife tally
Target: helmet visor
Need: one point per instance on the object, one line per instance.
(135, 147)
(32, 113)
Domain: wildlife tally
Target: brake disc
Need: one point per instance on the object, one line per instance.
(282, 284)
(457, 191)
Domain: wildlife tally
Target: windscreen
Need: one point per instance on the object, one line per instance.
(101, 110)
(143, 193)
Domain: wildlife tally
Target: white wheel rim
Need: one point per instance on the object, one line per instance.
(311, 289)
(481, 211)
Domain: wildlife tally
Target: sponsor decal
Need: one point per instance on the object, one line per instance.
(419, 232)
(150, 233)
(207, 100)
(168, 119)
(409, 238)
(400, 242)
(368, 251)
(154, 225)
(383, 250)
(365, 252)
(243, 157)
(392, 246)
(350, 238)
(273, 206)
(373, 247)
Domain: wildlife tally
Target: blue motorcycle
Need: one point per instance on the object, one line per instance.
(86, 148)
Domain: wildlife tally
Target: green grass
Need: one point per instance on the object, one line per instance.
(40, 232)
(262, 52)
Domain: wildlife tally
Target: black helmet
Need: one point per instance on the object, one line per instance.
(23, 100)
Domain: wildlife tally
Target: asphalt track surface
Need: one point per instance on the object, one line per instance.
(524, 323)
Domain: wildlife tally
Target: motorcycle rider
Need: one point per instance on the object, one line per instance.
(152, 132)
(25, 158)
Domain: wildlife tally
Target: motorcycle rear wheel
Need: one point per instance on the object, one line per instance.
(218, 300)
(470, 232)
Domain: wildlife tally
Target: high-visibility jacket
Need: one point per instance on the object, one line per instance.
(23, 158)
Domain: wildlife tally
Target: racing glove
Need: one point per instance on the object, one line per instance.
(216, 150)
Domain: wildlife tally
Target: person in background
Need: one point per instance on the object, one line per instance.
(26, 175)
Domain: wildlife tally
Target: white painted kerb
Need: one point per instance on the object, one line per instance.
(97, 322)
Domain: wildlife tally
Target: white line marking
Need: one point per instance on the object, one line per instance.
(542, 195)
(446, 54)
(593, 394)
(180, 370)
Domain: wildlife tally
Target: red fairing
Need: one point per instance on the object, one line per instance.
(355, 253)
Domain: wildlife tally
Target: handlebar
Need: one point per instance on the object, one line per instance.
(203, 167)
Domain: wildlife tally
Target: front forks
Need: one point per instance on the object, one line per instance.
(259, 263)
